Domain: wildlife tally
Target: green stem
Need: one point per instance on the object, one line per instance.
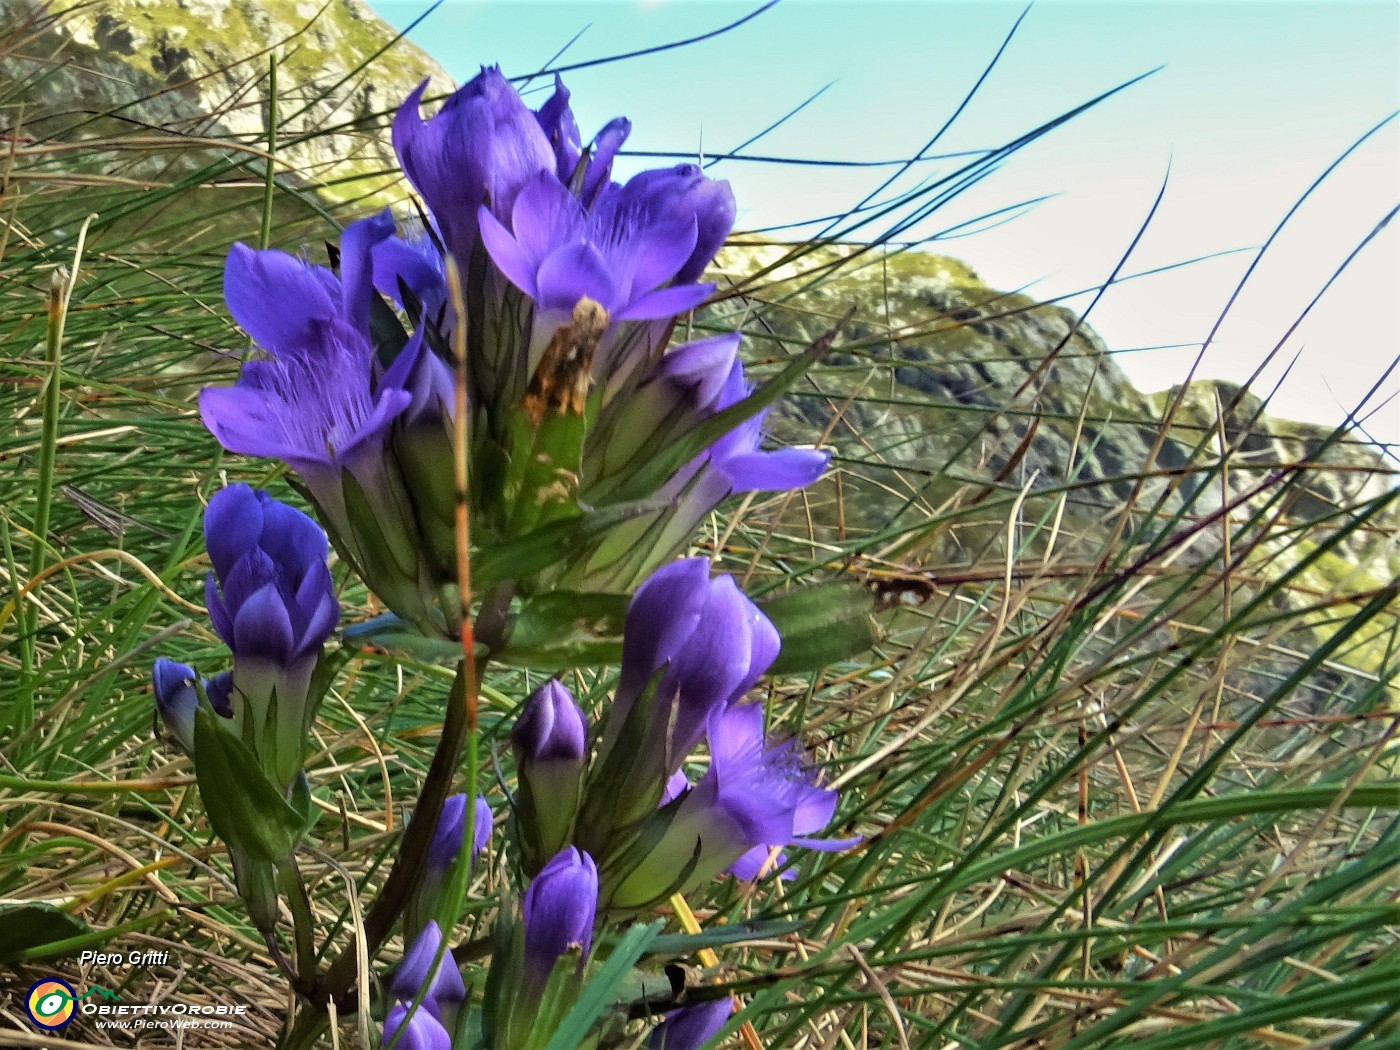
(303, 924)
(339, 979)
(269, 182)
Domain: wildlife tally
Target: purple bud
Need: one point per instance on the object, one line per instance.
(551, 727)
(445, 988)
(691, 1027)
(270, 595)
(176, 699)
(424, 1031)
(559, 909)
(452, 827)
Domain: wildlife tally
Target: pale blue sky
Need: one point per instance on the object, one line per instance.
(1256, 100)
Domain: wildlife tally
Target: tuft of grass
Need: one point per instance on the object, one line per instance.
(1123, 761)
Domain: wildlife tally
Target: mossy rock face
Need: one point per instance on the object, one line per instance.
(184, 67)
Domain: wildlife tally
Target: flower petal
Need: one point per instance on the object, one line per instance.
(777, 471)
(667, 302)
(275, 297)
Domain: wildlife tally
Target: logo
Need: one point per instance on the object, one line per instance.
(50, 1003)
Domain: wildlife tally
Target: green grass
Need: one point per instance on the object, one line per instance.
(1113, 791)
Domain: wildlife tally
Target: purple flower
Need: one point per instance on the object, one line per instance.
(754, 797)
(559, 909)
(550, 742)
(480, 149)
(551, 727)
(424, 1031)
(443, 988)
(620, 255)
(270, 594)
(451, 829)
(691, 1027)
(176, 699)
(710, 643)
(686, 189)
(313, 402)
(443, 850)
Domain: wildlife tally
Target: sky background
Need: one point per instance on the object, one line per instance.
(1255, 101)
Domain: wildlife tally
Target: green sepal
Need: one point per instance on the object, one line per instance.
(542, 469)
(245, 808)
(822, 624)
(566, 629)
(550, 544)
(386, 332)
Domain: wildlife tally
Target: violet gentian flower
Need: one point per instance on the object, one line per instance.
(443, 988)
(710, 643)
(424, 1031)
(480, 148)
(357, 434)
(559, 909)
(451, 829)
(623, 255)
(444, 848)
(691, 1027)
(176, 699)
(272, 601)
(549, 741)
(753, 796)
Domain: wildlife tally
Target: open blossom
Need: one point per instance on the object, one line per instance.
(711, 644)
(313, 401)
(754, 797)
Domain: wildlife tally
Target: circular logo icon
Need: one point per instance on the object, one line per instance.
(50, 1003)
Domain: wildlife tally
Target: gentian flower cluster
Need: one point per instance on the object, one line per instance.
(570, 285)
(595, 451)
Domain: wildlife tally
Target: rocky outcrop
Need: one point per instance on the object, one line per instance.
(197, 72)
(945, 389)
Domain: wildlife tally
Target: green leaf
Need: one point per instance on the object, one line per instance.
(566, 629)
(822, 624)
(682, 944)
(599, 993)
(245, 808)
(29, 925)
